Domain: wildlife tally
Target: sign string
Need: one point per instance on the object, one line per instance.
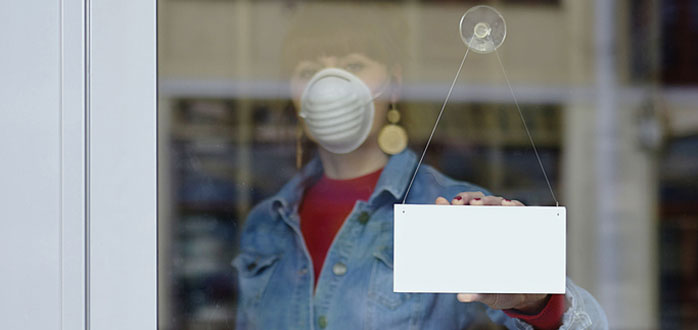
(516, 102)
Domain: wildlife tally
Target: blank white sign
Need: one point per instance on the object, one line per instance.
(479, 249)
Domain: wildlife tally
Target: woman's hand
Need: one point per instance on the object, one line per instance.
(526, 303)
(477, 198)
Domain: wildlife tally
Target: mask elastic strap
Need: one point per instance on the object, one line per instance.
(377, 95)
(382, 91)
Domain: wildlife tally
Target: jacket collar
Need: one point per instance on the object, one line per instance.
(396, 175)
(394, 180)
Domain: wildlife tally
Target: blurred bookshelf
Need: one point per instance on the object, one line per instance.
(486, 144)
(217, 174)
(678, 234)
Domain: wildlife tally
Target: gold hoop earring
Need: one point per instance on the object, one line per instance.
(392, 138)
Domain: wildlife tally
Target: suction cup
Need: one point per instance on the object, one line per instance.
(483, 29)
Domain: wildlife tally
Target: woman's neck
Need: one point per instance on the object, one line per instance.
(366, 159)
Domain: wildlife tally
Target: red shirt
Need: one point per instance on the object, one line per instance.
(549, 318)
(324, 208)
(327, 204)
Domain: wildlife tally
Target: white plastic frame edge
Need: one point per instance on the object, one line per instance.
(72, 158)
(121, 164)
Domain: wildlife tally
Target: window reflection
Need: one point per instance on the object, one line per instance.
(232, 74)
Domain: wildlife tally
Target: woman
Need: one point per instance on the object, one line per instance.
(318, 254)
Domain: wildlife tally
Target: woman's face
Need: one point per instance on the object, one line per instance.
(374, 74)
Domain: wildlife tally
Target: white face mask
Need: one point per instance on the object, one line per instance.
(337, 108)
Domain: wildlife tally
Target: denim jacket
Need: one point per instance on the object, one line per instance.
(355, 287)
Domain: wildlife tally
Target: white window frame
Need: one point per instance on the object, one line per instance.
(78, 220)
(121, 165)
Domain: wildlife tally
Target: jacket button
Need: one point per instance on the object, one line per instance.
(339, 269)
(322, 322)
(363, 218)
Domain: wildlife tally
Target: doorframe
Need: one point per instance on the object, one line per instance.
(121, 164)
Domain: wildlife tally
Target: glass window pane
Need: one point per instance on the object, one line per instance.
(290, 128)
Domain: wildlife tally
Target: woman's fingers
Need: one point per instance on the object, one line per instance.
(503, 301)
(467, 197)
(507, 202)
(458, 200)
(498, 301)
(487, 200)
(526, 303)
(477, 198)
(442, 201)
(467, 297)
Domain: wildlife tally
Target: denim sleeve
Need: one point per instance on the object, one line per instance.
(583, 312)
(240, 312)
(240, 316)
(251, 231)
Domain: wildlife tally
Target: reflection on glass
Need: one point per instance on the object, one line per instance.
(272, 114)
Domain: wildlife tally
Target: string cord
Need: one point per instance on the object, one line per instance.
(530, 138)
(443, 106)
(518, 108)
